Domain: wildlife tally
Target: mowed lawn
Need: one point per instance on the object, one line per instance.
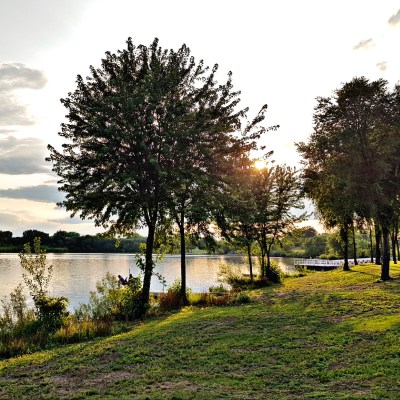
(328, 335)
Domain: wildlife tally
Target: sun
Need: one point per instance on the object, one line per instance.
(260, 164)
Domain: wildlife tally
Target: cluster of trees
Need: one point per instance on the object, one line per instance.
(69, 242)
(351, 164)
(153, 139)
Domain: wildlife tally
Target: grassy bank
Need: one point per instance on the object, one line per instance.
(331, 335)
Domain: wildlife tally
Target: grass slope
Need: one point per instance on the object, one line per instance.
(332, 335)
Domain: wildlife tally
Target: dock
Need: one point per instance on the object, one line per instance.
(326, 264)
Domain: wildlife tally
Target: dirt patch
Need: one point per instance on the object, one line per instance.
(66, 384)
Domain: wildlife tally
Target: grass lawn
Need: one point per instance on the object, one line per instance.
(328, 335)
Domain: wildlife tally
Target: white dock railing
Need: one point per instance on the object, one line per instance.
(319, 262)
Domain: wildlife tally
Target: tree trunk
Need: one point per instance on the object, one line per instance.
(183, 258)
(393, 242)
(248, 245)
(386, 254)
(354, 246)
(148, 269)
(378, 236)
(371, 246)
(344, 233)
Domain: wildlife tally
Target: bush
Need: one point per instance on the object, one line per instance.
(51, 312)
(232, 275)
(274, 273)
(218, 289)
(172, 299)
(77, 330)
(111, 301)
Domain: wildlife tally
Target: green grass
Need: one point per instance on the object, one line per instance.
(331, 335)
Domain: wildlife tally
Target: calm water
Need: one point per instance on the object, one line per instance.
(75, 275)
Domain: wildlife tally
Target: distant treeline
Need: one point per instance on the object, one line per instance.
(302, 242)
(73, 242)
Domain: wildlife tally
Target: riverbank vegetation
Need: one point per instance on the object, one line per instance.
(322, 335)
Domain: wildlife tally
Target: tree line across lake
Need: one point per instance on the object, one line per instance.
(301, 242)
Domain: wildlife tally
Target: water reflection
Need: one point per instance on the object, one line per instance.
(75, 275)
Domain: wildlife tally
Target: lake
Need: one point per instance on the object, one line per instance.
(75, 275)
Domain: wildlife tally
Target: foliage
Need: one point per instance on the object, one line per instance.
(50, 310)
(110, 301)
(172, 299)
(233, 276)
(274, 273)
(36, 274)
(351, 159)
(143, 132)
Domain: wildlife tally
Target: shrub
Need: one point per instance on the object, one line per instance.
(240, 298)
(111, 301)
(218, 289)
(51, 312)
(274, 273)
(77, 330)
(172, 299)
(232, 275)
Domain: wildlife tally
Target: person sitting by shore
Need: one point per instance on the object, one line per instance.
(122, 280)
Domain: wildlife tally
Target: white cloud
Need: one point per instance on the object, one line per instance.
(395, 18)
(382, 66)
(42, 193)
(22, 156)
(364, 44)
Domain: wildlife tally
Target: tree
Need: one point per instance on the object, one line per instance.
(277, 193)
(134, 125)
(259, 207)
(355, 144)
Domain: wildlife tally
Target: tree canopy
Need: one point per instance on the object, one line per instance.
(350, 161)
(142, 131)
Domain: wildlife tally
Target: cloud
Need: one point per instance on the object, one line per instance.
(12, 77)
(71, 221)
(22, 156)
(42, 193)
(395, 18)
(13, 113)
(18, 76)
(382, 65)
(8, 220)
(364, 44)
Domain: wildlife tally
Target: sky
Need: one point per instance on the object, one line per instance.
(281, 53)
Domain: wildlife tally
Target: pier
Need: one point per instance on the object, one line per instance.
(328, 264)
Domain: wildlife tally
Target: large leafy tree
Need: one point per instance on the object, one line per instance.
(355, 144)
(140, 131)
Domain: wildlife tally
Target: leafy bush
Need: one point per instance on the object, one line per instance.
(51, 312)
(111, 301)
(218, 289)
(77, 330)
(240, 298)
(172, 299)
(274, 273)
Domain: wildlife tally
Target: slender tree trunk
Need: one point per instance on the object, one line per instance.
(148, 270)
(397, 244)
(345, 239)
(393, 242)
(371, 246)
(183, 258)
(354, 246)
(262, 258)
(248, 245)
(386, 254)
(378, 237)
